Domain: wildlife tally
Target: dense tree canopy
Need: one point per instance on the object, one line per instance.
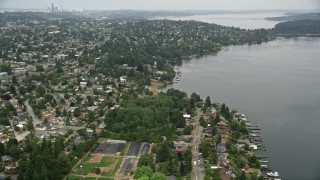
(156, 116)
(298, 27)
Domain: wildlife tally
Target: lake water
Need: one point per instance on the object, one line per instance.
(277, 85)
(243, 20)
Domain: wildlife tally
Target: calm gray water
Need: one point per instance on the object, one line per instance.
(277, 86)
(244, 20)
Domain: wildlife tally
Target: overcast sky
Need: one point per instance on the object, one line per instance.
(165, 4)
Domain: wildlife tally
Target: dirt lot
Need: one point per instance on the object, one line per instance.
(96, 158)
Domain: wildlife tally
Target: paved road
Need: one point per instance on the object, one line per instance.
(198, 169)
(30, 111)
(19, 136)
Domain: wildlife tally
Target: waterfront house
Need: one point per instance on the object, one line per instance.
(222, 128)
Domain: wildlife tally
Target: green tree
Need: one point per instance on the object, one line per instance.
(30, 126)
(158, 176)
(58, 112)
(2, 149)
(187, 157)
(40, 91)
(143, 171)
(98, 170)
(216, 175)
(12, 89)
(242, 176)
(66, 96)
(22, 90)
(77, 112)
(144, 178)
(163, 152)
(208, 102)
(214, 131)
(65, 113)
(58, 146)
(202, 122)
(146, 160)
(91, 116)
(14, 80)
(205, 147)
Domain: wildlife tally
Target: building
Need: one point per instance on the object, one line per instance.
(52, 8)
(22, 120)
(187, 116)
(3, 75)
(222, 128)
(180, 146)
(123, 79)
(10, 165)
(221, 147)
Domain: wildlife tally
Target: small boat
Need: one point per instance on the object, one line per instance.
(264, 166)
(263, 161)
(273, 174)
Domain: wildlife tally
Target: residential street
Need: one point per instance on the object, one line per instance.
(35, 119)
(198, 165)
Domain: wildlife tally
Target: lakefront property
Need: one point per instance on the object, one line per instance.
(82, 97)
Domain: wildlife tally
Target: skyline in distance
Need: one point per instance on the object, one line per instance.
(163, 4)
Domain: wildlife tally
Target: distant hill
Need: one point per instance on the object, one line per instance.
(300, 27)
(296, 17)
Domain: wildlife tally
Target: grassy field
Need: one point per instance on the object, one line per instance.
(72, 177)
(91, 163)
(101, 140)
(90, 178)
(125, 149)
(103, 178)
(116, 167)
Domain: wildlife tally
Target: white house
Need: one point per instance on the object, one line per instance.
(3, 75)
(123, 79)
(83, 84)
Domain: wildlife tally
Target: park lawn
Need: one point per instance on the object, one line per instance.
(117, 166)
(125, 149)
(105, 178)
(101, 140)
(73, 177)
(90, 178)
(107, 161)
(88, 167)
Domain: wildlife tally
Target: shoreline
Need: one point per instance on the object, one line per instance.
(255, 136)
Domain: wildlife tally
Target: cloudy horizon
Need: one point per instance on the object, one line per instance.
(163, 4)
